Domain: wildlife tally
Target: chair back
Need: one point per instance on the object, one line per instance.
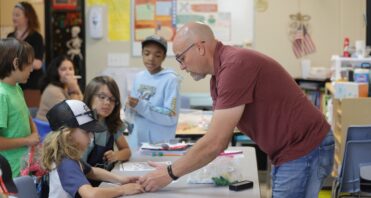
(33, 111)
(26, 187)
(43, 127)
(357, 151)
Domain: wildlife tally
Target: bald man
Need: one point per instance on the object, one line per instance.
(253, 92)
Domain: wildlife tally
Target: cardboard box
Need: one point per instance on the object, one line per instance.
(350, 90)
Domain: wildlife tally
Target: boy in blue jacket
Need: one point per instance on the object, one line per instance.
(154, 97)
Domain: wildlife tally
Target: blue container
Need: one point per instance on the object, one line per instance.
(361, 75)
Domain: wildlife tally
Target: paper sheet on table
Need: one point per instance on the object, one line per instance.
(140, 166)
(165, 146)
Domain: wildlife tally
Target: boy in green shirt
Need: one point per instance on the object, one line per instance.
(17, 131)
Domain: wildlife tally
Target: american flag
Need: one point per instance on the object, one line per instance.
(302, 43)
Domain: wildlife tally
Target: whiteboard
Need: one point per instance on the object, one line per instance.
(234, 20)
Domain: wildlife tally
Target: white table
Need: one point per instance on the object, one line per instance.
(181, 188)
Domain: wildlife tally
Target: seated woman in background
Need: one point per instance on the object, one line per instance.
(103, 96)
(58, 84)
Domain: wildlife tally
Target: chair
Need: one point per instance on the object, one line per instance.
(26, 187)
(365, 177)
(43, 127)
(33, 111)
(356, 153)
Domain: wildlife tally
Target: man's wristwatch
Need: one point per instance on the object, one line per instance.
(170, 172)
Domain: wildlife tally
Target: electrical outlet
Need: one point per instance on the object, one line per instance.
(118, 59)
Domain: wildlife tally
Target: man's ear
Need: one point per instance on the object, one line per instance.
(201, 49)
(16, 63)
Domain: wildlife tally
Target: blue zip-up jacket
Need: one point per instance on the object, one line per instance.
(157, 112)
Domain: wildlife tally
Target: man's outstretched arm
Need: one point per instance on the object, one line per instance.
(204, 151)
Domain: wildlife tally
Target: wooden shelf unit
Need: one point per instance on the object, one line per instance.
(346, 112)
(313, 88)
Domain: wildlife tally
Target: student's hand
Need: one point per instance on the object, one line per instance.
(132, 188)
(110, 156)
(33, 139)
(72, 84)
(155, 180)
(132, 102)
(128, 179)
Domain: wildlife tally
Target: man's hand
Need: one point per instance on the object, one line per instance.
(155, 180)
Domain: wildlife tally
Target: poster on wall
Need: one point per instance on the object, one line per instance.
(118, 20)
(164, 17)
(154, 17)
(205, 11)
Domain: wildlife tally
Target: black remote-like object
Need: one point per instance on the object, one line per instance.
(242, 185)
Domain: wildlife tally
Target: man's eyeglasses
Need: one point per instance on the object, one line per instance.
(104, 97)
(180, 57)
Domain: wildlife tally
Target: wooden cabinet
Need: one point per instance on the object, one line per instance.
(346, 112)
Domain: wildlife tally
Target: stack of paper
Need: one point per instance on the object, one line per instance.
(164, 149)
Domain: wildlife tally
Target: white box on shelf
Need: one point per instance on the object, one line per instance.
(350, 90)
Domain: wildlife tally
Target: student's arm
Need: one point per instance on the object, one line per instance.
(123, 153)
(34, 138)
(101, 174)
(73, 88)
(87, 191)
(73, 180)
(163, 115)
(12, 143)
(32, 126)
(37, 44)
(204, 151)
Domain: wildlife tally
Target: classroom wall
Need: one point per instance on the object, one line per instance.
(97, 53)
(331, 21)
(6, 9)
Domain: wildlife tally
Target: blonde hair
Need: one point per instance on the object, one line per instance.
(58, 145)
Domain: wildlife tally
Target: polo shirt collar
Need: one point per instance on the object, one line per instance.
(217, 56)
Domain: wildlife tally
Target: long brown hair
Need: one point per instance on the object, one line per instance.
(30, 13)
(58, 145)
(52, 73)
(113, 121)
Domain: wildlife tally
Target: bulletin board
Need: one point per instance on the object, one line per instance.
(232, 21)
